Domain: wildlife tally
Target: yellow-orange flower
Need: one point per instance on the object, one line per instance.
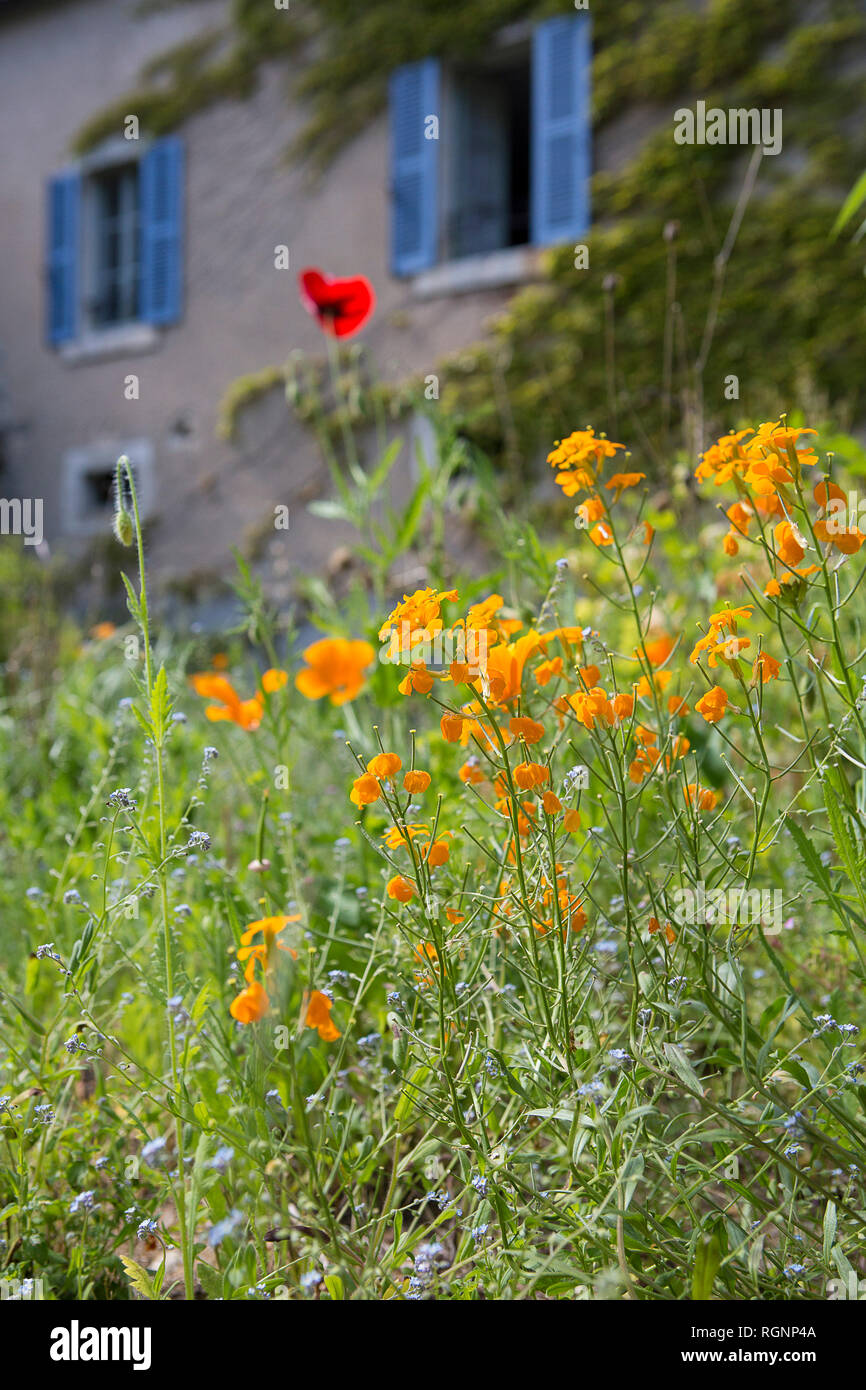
(789, 544)
(527, 729)
(654, 926)
(269, 928)
(417, 679)
(452, 727)
(702, 797)
(621, 481)
(365, 790)
(400, 888)
(551, 803)
(416, 781)
(245, 713)
(845, 538)
(712, 705)
(505, 665)
(318, 1016)
(591, 705)
(419, 611)
(471, 772)
(528, 775)
(582, 448)
(571, 821)
(250, 1005)
(437, 854)
(385, 765)
(335, 667)
(767, 666)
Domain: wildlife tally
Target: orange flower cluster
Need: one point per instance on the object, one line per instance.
(335, 667)
(722, 643)
(245, 713)
(766, 466)
(252, 1003)
(580, 460)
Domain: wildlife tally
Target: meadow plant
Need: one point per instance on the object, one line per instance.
(536, 971)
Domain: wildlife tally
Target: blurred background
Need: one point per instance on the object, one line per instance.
(544, 253)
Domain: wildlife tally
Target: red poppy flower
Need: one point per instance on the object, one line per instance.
(341, 306)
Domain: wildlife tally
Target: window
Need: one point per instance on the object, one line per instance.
(116, 269)
(486, 198)
(114, 235)
(87, 484)
(492, 155)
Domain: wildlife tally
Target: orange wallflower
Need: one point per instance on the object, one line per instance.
(452, 727)
(702, 797)
(590, 511)
(601, 534)
(471, 771)
(335, 667)
(623, 706)
(250, 1005)
(420, 611)
(400, 888)
(677, 705)
(437, 854)
(528, 775)
(571, 821)
(789, 544)
(418, 679)
(365, 790)
(527, 729)
(551, 803)
(767, 666)
(546, 670)
(581, 449)
(385, 766)
(712, 705)
(654, 926)
(102, 631)
(245, 713)
(505, 665)
(621, 481)
(591, 705)
(847, 539)
(657, 651)
(416, 781)
(318, 1016)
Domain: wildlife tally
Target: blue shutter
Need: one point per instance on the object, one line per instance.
(561, 129)
(161, 231)
(63, 237)
(414, 92)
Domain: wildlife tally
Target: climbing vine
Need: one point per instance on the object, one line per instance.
(619, 338)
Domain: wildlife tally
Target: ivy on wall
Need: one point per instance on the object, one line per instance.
(615, 343)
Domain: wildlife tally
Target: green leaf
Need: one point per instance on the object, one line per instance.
(708, 1257)
(139, 1278)
(855, 199)
(829, 1229)
(210, 1279)
(684, 1069)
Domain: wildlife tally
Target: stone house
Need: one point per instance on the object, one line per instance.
(140, 280)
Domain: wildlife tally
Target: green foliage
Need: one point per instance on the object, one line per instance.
(593, 1114)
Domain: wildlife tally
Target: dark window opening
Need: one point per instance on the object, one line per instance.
(99, 489)
(488, 197)
(116, 243)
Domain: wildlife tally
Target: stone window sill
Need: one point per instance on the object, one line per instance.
(515, 265)
(105, 343)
